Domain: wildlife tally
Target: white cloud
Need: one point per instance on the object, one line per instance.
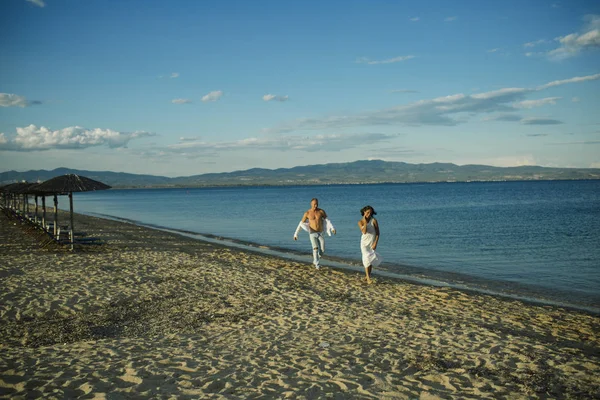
(536, 103)
(32, 138)
(414, 19)
(269, 97)
(390, 152)
(540, 121)
(576, 79)
(575, 99)
(212, 96)
(38, 3)
(523, 121)
(574, 43)
(12, 100)
(316, 143)
(450, 19)
(438, 111)
(404, 91)
(511, 161)
(447, 110)
(501, 93)
(172, 75)
(364, 60)
(504, 117)
(181, 101)
(499, 51)
(535, 43)
(586, 142)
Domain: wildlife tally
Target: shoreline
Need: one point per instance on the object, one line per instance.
(156, 314)
(417, 275)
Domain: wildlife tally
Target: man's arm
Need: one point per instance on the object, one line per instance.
(328, 222)
(299, 227)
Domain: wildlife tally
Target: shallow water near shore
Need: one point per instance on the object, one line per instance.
(535, 240)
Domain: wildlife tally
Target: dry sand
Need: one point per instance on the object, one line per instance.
(150, 314)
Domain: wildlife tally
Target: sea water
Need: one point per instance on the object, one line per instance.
(537, 239)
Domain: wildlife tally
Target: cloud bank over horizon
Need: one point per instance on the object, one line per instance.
(33, 138)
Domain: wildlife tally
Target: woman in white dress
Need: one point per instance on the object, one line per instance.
(368, 241)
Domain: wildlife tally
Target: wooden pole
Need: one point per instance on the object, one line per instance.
(36, 208)
(44, 211)
(72, 227)
(55, 215)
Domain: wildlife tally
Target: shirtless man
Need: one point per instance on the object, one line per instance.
(317, 222)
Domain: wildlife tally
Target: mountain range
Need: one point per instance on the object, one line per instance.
(357, 172)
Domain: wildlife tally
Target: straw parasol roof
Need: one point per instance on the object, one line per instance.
(17, 188)
(67, 184)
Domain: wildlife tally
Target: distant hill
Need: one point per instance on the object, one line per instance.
(356, 172)
(114, 179)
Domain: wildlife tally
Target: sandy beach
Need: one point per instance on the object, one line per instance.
(151, 314)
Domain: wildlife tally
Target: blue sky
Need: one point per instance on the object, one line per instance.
(179, 88)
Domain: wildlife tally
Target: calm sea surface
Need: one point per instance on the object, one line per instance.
(539, 240)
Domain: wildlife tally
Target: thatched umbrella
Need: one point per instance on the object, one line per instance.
(24, 191)
(7, 194)
(67, 184)
(31, 189)
(16, 189)
(4, 194)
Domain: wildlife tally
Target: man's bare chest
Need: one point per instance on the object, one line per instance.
(315, 215)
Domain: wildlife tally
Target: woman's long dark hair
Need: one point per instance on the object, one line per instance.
(365, 208)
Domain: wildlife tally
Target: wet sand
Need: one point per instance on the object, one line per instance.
(151, 314)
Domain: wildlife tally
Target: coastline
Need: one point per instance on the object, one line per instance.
(417, 275)
(151, 313)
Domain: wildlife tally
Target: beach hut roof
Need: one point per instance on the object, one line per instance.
(8, 188)
(18, 188)
(65, 184)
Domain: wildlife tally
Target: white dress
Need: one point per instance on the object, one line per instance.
(369, 256)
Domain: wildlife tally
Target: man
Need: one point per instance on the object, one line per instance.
(317, 222)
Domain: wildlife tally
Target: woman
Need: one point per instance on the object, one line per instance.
(368, 241)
